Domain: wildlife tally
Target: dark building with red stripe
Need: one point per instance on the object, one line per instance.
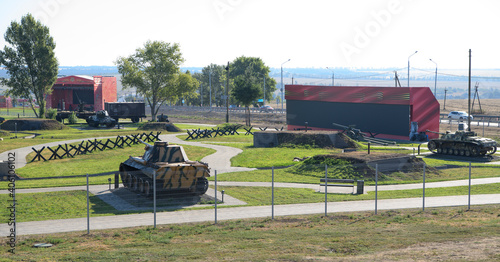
(385, 112)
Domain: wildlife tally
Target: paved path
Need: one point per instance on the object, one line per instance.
(146, 219)
(220, 161)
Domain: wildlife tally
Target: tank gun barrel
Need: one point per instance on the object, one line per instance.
(434, 132)
(147, 145)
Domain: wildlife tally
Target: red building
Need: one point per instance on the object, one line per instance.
(5, 102)
(385, 112)
(70, 91)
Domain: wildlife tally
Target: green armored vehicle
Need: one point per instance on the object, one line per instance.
(462, 143)
(174, 172)
(101, 118)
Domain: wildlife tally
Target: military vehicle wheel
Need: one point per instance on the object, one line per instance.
(129, 181)
(439, 150)
(135, 183)
(141, 185)
(431, 145)
(201, 186)
(147, 188)
(467, 152)
(456, 152)
(462, 152)
(135, 119)
(475, 151)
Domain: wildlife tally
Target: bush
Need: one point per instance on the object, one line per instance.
(72, 118)
(51, 113)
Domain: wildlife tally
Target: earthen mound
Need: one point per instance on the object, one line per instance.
(26, 124)
(160, 126)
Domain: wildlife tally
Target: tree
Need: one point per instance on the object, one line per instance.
(258, 70)
(246, 90)
(30, 62)
(154, 71)
(214, 75)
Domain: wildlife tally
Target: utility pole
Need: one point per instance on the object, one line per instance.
(210, 83)
(444, 105)
(264, 91)
(435, 77)
(333, 75)
(409, 68)
(468, 119)
(292, 80)
(201, 94)
(227, 92)
(282, 93)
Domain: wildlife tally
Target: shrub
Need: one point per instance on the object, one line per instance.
(72, 118)
(51, 113)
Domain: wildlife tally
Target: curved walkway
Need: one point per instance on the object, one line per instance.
(220, 161)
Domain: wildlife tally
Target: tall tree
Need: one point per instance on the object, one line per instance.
(246, 90)
(258, 70)
(30, 61)
(213, 76)
(154, 71)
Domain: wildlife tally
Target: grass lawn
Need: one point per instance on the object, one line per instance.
(92, 163)
(407, 235)
(72, 204)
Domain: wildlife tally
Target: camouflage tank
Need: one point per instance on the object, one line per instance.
(174, 172)
(462, 143)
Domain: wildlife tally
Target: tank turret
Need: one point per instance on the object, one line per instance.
(174, 172)
(462, 143)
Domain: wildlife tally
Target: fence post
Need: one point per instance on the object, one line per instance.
(376, 187)
(215, 196)
(88, 206)
(326, 189)
(154, 199)
(423, 192)
(272, 194)
(468, 206)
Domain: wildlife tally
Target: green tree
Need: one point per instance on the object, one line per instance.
(30, 62)
(246, 90)
(258, 70)
(154, 71)
(214, 75)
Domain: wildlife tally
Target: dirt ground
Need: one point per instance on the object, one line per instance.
(467, 250)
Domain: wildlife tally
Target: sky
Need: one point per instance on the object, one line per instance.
(314, 33)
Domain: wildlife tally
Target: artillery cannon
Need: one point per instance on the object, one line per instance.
(462, 143)
(358, 135)
(174, 172)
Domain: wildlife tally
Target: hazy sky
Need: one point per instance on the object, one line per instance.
(314, 33)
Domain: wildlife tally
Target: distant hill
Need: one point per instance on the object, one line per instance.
(454, 81)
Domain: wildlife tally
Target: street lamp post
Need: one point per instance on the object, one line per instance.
(435, 78)
(210, 83)
(282, 94)
(333, 76)
(409, 68)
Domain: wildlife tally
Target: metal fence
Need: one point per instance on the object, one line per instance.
(372, 186)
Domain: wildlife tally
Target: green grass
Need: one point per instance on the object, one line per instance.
(72, 204)
(55, 205)
(47, 136)
(261, 196)
(276, 156)
(359, 236)
(92, 163)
